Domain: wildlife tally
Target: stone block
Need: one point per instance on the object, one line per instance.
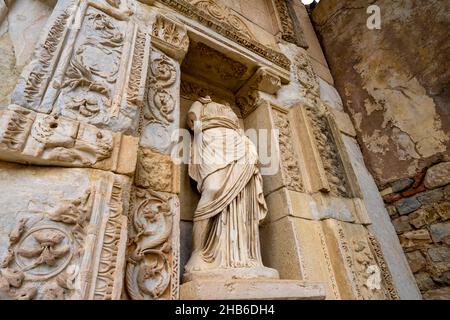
(440, 231)
(258, 289)
(68, 230)
(439, 254)
(157, 171)
(401, 184)
(423, 217)
(437, 294)
(344, 123)
(416, 260)
(405, 206)
(330, 95)
(424, 281)
(438, 175)
(431, 197)
(401, 224)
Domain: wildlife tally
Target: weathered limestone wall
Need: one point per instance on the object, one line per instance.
(394, 81)
(394, 85)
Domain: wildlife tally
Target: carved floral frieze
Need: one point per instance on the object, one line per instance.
(81, 67)
(69, 249)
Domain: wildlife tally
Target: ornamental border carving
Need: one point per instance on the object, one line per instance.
(227, 30)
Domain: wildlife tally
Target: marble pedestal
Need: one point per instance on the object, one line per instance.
(251, 289)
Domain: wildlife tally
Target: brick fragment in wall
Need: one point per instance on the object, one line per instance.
(440, 232)
(438, 175)
(401, 184)
(411, 192)
(405, 206)
(418, 179)
(439, 254)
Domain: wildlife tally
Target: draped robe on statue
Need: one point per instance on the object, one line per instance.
(224, 165)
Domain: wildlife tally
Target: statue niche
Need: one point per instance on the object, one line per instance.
(232, 205)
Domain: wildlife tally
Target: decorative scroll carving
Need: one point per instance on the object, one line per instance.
(170, 37)
(329, 152)
(88, 85)
(114, 234)
(80, 70)
(215, 17)
(305, 75)
(160, 110)
(136, 79)
(27, 136)
(40, 70)
(330, 271)
(41, 250)
(385, 273)
(152, 268)
(291, 170)
(224, 15)
(287, 25)
(364, 261)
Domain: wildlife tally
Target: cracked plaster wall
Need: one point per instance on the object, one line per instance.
(394, 81)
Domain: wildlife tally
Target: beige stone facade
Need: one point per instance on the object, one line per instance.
(94, 114)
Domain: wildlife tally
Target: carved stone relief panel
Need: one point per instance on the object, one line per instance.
(305, 75)
(291, 173)
(286, 24)
(360, 262)
(30, 137)
(67, 240)
(161, 112)
(170, 36)
(153, 254)
(89, 65)
(329, 154)
(223, 21)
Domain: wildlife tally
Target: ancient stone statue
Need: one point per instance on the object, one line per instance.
(226, 221)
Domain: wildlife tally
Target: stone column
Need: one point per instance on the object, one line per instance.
(153, 253)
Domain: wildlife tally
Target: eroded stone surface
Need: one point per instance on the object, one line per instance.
(438, 175)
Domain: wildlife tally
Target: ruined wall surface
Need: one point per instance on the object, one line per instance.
(394, 83)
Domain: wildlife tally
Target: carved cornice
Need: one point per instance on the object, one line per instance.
(170, 36)
(211, 15)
